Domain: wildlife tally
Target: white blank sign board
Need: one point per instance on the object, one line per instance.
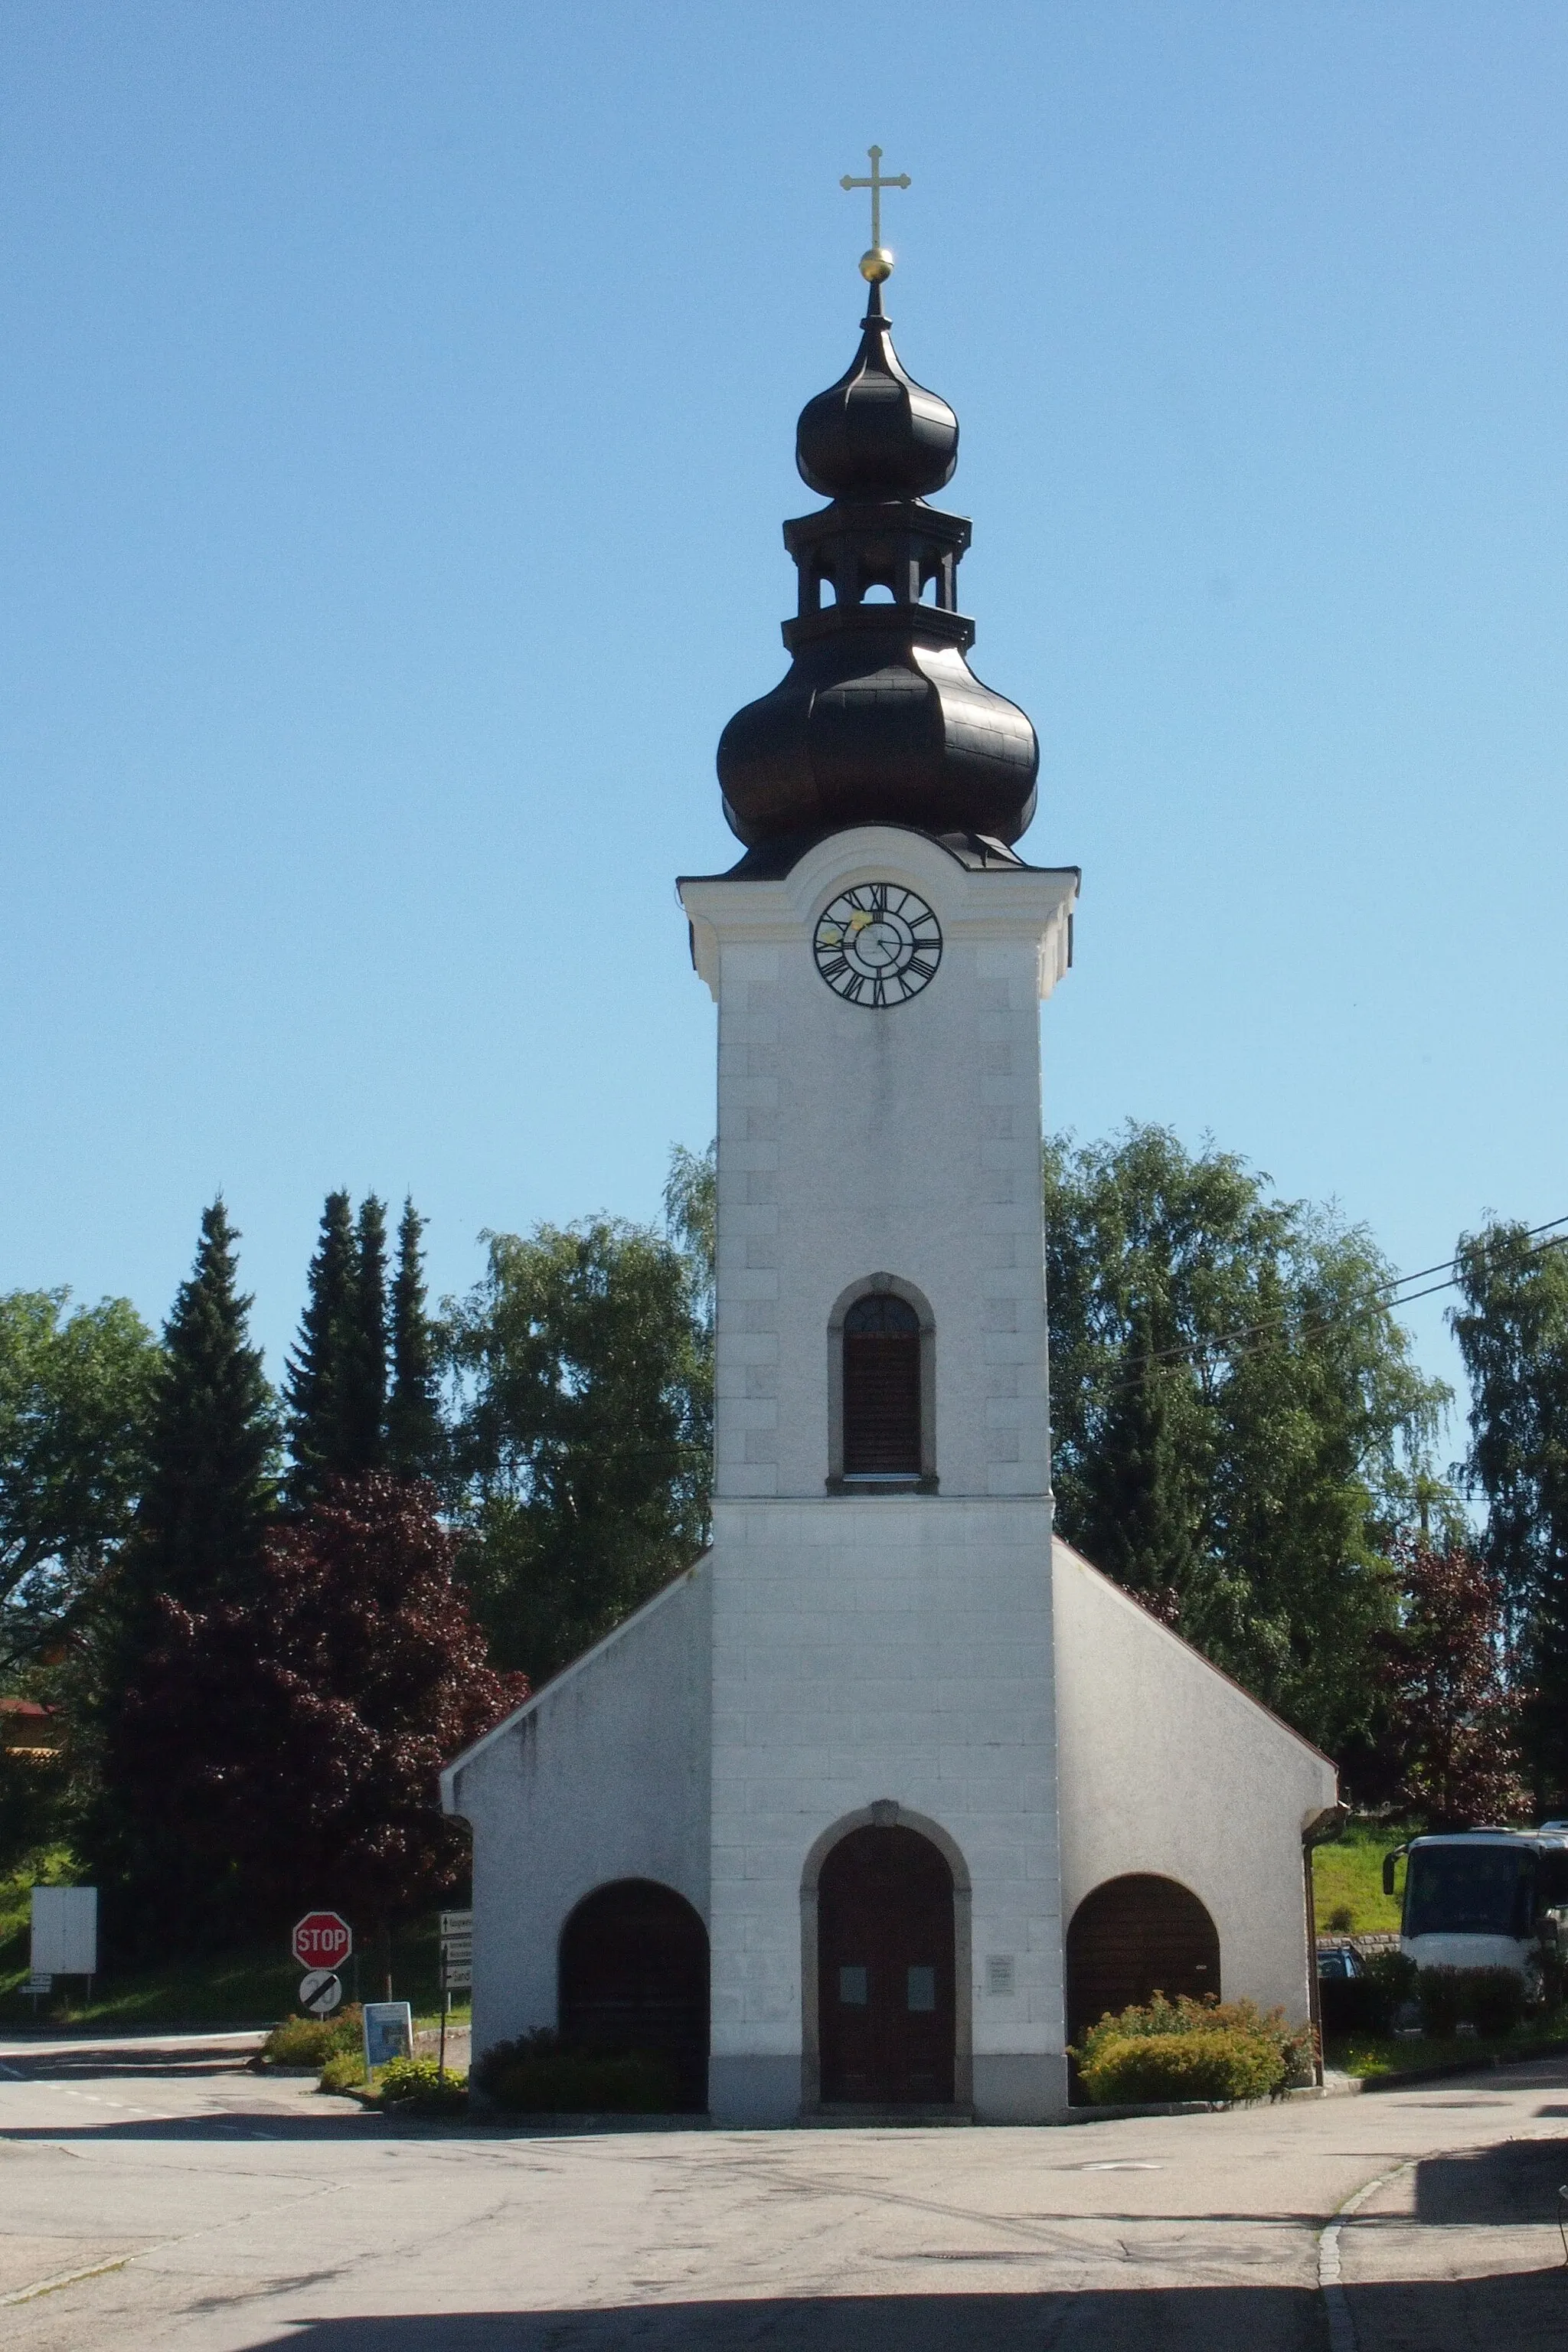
(65, 1931)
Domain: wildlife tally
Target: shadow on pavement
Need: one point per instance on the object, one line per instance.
(122, 2068)
(336, 2119)
(256, 2123)
(1494, 2188)
(1523, 2311)
(1525, 2314)
(1194, 2319)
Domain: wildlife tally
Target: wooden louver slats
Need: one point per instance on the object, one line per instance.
(1132, 1938)
(881, 1390)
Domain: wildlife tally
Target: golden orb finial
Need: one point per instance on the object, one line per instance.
(875, 265)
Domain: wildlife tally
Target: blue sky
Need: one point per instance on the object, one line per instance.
(398, 405)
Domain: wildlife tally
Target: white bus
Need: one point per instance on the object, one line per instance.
(1482, 1898)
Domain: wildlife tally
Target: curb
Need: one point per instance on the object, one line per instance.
(1343, 2087)
(1342, 2334)
(1449, 2067)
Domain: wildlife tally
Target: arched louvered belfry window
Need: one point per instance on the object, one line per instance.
(881, 1390)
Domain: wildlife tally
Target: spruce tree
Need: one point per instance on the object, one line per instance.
(363, 1443)
(197, 1544)
(415, 1438)
(315, 1379)
(209, 1488)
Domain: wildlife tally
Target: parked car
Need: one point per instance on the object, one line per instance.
(1357, 1994)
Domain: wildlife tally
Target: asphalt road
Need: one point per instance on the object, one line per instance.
(154, 2194)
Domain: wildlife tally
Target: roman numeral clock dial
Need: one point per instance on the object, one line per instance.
(877, 944)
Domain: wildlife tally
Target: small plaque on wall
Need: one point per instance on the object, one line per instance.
(999, 1972)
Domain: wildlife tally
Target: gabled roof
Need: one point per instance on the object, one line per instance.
(1208, 1664)
(547, 1690)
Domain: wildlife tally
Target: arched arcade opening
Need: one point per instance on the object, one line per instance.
(634, 1976)
(1132, 1938)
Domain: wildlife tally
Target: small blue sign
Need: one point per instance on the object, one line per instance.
(388, 2032)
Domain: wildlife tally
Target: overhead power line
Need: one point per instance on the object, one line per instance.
(1380, 1295)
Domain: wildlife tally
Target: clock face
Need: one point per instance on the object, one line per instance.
(878, 944)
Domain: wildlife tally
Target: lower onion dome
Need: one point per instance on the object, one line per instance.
(877, 728)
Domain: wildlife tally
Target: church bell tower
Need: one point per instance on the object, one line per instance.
(886, 1913)
(824, 1825)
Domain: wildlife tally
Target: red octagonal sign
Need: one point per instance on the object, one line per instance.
(321, 1939)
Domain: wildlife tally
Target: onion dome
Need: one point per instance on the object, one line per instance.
(875, 433)
(880, 719)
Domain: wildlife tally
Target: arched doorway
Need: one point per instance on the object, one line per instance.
(886, 2008)
(1131, 1938)
(634, 1976)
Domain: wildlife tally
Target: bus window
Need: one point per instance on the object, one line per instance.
(1552, 1878)
(1468, 1890)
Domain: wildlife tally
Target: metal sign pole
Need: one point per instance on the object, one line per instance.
(457, 1967)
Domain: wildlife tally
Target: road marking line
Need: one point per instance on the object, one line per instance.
(1341, 2327)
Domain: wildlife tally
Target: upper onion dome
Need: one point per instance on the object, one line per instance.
(877, 433)
(881, 719)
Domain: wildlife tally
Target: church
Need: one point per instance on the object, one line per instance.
(892, 1794)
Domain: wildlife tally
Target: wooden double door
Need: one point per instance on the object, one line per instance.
(885, 2005)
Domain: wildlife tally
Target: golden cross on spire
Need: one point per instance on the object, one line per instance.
(878, 262)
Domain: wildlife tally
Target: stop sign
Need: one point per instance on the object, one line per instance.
(321, 1939)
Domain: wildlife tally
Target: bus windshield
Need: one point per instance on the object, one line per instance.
(1468, 1890)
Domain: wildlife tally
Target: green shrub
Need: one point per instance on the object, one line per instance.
(1438, 1993)
(1352, 2005)
(1551, 1964)
(1396, 1973)
(416, 2086)
(1292, 2044)
(311, 2041)
(537, 2075)
(1368, 2003)
(1491, 1999)
(1494, 1999)
(1216, 2063)
(344, 2071)
(492, 2063)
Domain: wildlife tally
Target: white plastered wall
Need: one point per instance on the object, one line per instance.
(905, 1142)
(603, 1775)
(1166, 1765)
(865, 1651)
